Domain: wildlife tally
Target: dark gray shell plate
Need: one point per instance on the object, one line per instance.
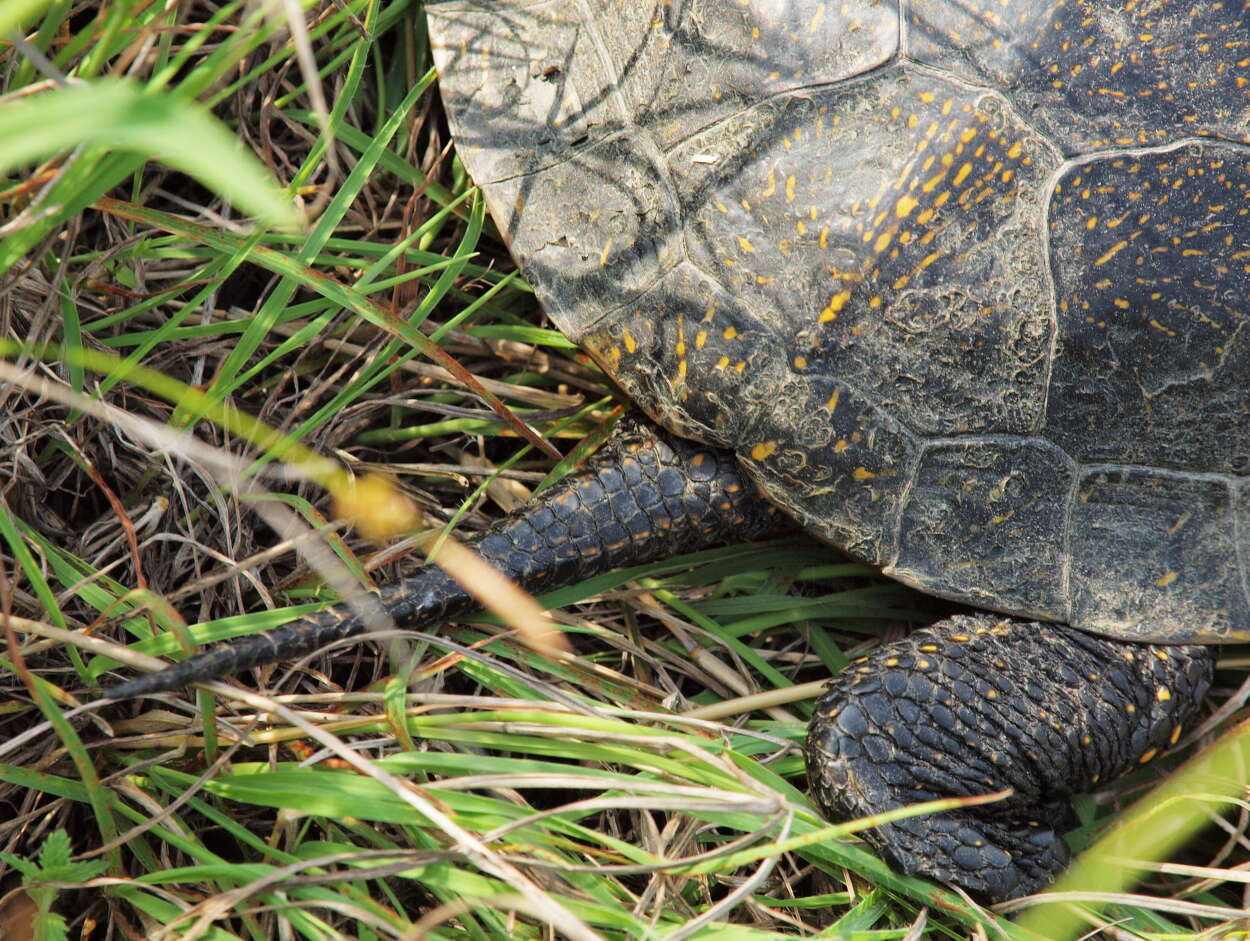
(965, 288)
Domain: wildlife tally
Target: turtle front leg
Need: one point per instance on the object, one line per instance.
(975, 705)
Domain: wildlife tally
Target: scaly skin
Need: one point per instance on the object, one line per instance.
(975, 705)
(643, 497)
(969, 706)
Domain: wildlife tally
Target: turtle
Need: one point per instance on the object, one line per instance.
(959, 287)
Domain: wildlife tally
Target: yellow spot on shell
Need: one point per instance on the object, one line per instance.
(862, 473)
(836, 303)
(962, 174)
(1165, 580)
(746, 245)
(631, 345)
(603, 255)
(700, 339)
(800, 362)
(729, 333)
(904, 206)
(1111, 252)
(1163, 694)
(1175, 736)
(790, 188)
(832, 404)
(1148, 756)
(763, 450)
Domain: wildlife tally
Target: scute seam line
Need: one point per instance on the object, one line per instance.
(904, 497)
(1241, 539)
(591, 25)
(894, 61)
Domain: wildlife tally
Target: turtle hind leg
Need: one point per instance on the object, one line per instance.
(645, 496)
(977, 705)
(970, 850)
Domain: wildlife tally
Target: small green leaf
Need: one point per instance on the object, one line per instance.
(49, 926)
(55, 852)
(55, 866)
(24, 866)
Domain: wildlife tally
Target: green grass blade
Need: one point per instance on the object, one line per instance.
(121, 116)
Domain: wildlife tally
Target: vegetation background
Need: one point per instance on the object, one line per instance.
(216, 211)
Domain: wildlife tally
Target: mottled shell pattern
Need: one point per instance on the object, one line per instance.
(965, 284)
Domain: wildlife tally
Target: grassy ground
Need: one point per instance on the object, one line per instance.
(456, 786)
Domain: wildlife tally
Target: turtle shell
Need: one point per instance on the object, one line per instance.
(966, 286)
